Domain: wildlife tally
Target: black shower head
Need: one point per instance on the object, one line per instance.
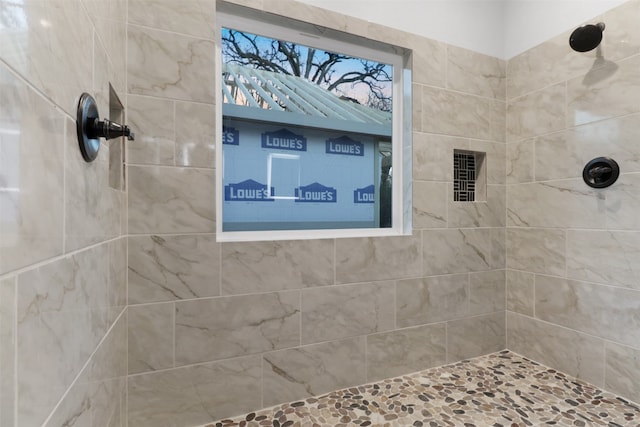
(587, 37)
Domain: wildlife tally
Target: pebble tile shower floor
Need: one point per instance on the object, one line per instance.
(500, 389)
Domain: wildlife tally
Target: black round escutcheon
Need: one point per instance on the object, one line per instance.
(601, 172)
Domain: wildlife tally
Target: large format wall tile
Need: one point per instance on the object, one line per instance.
(520, 161)
(536, 250)
(486, 292)
(572, 352)
(165, 268)
(556, 204)
(380, 258)
(35, 42)
(610, 91)
(219, 328)
(475, 336)
(607, 257)
(92, 207)
(537, 113)
(154, 122)
(463, 250)
(481, 213)
(7, 350)
(452, 113)
(193, 17)
(170, 65)
(63, 311)
(195, 134)
(303, 372)
(336, 312)
(150, 333)
(31, 171)
(403, 351)
(433, 156)
(432, 299)
(195, 395)
(599, 310)
(520, 286)
(622, 370)
(623, 203)
(171, 200)
(97, 397)
(249, 267)
(429, 204)
(475, 73)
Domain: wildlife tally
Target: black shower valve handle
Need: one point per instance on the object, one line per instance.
(599, 171)
(108, 129)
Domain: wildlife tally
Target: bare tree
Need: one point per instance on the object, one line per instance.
(318, 66)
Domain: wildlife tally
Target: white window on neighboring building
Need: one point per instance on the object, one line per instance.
(313, 134)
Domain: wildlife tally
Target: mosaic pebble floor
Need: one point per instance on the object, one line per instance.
(498, 390)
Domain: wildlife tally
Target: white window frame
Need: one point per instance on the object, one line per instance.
(314, 36)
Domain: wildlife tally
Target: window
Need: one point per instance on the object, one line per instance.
(312, 131)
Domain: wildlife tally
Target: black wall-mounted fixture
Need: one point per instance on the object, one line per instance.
(587, 37)
(601, 172)
(90, 128)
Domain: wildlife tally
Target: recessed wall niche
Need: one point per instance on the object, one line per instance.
(469, 176)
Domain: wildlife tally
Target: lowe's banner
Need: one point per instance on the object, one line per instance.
(307, 176)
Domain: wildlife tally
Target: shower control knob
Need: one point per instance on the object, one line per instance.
(601, 172)
(90, 128)
(108, 130)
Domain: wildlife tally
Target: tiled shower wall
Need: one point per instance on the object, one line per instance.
(221, 329)
(573, 252)
(62, 255)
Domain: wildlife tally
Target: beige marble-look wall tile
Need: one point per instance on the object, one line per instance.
(494, 161)
(335, 312)
(402, 351)
(171, 200)
(271, 266)
(520, 287)
(35, 42)
(475, 336)
(433, 156)
(166, 268)
(153, 121)
(605, 92)
(379, 258)
(569, 351)
(299, 373)
(432, 299)
(31, 170)
(7, 351)
(536, 113)
(63, 313)
(556, 204)
(195, 135)
(97, 396)
(486, 292)
(428, 61)
(607, 257)
(429, 204)
(475, 73)
(609, 313)
(520, 162)
(622, 370)
(564, 154)
(193, 17)
(536, 250)
(458, 114)
(623, 203)
(489, 213)
(170, 65)
(219, 328)
(195, 395)
(463, 250)
(416, 107)
(92, 207)
(150, 337)
(117, 290)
